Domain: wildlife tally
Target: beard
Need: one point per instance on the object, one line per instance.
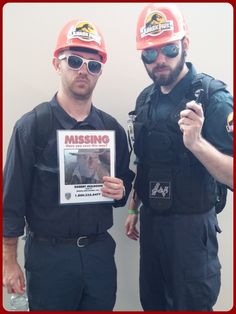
(167, 79)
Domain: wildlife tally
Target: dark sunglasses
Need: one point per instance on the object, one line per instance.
(150, 55)
(76, 62)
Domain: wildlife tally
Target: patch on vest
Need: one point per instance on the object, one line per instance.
(159, 189)
(230, 123)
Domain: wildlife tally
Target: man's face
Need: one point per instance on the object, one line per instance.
(78, 83)
(164, 70)
(88, 164)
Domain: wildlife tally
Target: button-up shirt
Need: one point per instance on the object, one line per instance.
(31, 187)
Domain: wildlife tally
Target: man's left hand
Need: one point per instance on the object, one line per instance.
(113, 188)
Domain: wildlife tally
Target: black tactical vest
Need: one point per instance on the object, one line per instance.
(169, 178)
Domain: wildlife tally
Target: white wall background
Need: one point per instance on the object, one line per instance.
(29, 36)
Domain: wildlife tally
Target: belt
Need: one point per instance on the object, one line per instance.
(80, 241)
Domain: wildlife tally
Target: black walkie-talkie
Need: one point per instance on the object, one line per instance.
(199, 95)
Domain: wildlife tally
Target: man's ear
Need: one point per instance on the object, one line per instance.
(56, 63)
(185, 44)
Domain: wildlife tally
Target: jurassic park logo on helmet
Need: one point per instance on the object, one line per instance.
(84, 31)
(159, 24)
(155, 24)
(81, 33)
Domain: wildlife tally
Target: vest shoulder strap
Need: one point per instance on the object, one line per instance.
(43, 120)
(141, 100)
(108, 121)
(208, 84)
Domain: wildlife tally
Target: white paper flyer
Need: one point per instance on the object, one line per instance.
(85, 156)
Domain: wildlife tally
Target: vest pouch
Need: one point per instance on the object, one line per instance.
(158, 147)
(45, 186)
(139, 135)
(141, 184)
(160, 189)
(193, 188)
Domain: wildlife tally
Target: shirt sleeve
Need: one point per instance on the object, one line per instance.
(218, 122)
(17, 178)
(122, 164)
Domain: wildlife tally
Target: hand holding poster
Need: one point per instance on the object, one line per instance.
(85, 156)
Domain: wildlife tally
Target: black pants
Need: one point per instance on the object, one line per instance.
(179, 266)
(65, 277)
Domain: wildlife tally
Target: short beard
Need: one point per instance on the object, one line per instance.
(164, 80)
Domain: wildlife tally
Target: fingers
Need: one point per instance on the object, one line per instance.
(112, 180)
(22, 283)
(133, 234)
(10, 289)
(16, 286)
(191, 116)
(13, 279)
(130, 228)
(113, 188)
(197, 108)
(132, 237)
(192, 111)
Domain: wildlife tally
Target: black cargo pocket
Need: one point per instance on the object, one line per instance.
(160, 189)
(139, 131)
(196, 252)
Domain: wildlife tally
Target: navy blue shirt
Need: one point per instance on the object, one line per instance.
(31, 187)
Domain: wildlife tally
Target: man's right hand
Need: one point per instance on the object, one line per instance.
(130, 227)
(13, 278)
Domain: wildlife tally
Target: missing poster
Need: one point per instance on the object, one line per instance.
(85, 156)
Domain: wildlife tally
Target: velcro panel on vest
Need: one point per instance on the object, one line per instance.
(158, 148)
(160, 189)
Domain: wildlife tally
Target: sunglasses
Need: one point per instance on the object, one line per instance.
(150, 55)
(76, 62)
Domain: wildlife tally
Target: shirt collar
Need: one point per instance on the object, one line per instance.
(179, 91)
(67, 122)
